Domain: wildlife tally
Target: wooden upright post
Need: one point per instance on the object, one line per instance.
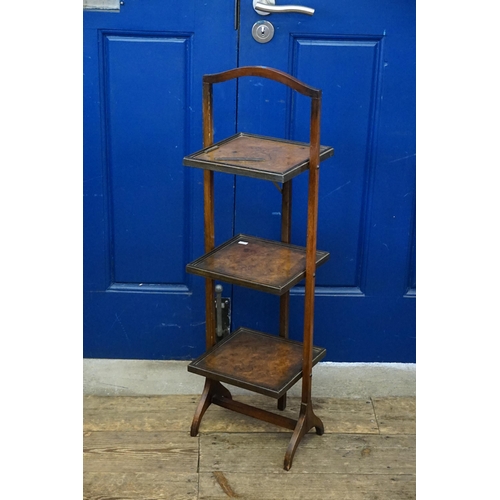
(286, 237)
(209, 218)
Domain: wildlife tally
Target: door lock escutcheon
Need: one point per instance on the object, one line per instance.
(263, 31)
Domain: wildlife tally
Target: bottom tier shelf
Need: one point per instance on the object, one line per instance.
(262, 363)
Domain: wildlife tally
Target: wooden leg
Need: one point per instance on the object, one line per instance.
(212, 387)
(297, 435)
(282, 402)
(307, 420)
(317, 424)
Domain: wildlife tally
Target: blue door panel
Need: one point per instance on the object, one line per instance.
(142, 327)
(362, 55)
(147, 98)
(368, 329)
(351, 83)
(391, 226)
(143, 210)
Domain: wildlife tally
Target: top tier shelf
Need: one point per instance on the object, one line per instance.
(256, 156)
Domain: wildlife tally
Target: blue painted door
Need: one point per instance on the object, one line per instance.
(143, 218)
(143, 215)
(362, 55)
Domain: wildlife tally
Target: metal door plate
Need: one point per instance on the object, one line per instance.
(225, 318)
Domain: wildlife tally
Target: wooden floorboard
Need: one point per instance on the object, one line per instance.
(140, 485)
(338, 415)
(140, 448)
(268, 486)
(346, 454)
(124, 413)
(396, 415)
(139, 452)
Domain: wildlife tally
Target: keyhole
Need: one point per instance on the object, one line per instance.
(262, 31)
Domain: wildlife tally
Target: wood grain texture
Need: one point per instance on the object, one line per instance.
(140, 485)
(286, 237)
(257, 263)
(120, 404)
(264, 72)
(338, 416)
(256, 156)
(266, 364)
(312, 486)
(330, 453)
(139, 451)
(354, 460)
(155, 413)
(396, 415)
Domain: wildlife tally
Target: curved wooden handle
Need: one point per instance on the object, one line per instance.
(264, 72)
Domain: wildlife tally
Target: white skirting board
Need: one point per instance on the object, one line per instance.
(121, 377)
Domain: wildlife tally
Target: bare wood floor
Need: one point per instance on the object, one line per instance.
(140, 448)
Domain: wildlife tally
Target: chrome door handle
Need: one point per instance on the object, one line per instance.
(266, 7)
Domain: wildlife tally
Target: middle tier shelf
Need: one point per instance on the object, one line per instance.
(265, 265)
